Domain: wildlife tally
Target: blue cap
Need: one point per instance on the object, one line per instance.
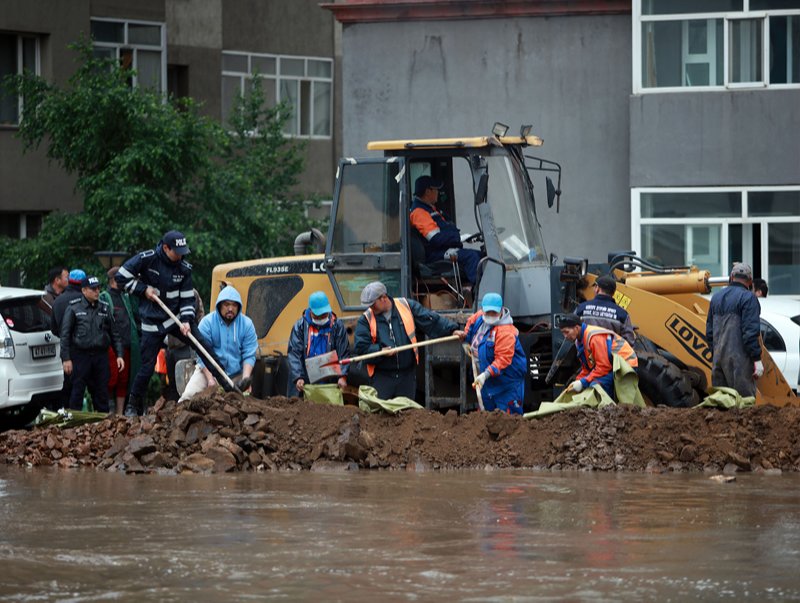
(423, 183)
(492, 302)
(176, 241)
(91, 281)
(76, 276)
(318, 303)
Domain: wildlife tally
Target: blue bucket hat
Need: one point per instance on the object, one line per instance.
(318, 303)
(492, 302)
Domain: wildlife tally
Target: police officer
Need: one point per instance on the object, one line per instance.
(603, 311)
(86, 333)
(160, 273)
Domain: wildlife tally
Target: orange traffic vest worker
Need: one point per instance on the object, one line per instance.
(390, 323)
(596, 348)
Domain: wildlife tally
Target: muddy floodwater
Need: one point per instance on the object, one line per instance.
(397, 536)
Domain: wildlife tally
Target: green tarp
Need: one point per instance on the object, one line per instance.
(626, 384)
(323, 394)
(67, 418)
(726, 397)
(369, 401)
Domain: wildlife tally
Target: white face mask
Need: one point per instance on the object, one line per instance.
(491, 320)
(320, 322)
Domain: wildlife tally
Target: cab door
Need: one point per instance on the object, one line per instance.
(365, 241)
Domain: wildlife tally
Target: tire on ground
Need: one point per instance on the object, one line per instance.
(664, 383)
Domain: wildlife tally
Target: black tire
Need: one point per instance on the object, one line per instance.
(19, 417)
(697, 377)
(664, 383)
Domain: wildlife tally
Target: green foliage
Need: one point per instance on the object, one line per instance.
(145, 164)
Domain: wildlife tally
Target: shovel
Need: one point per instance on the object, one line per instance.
(328, 364)
(208, 358)
(468, 352)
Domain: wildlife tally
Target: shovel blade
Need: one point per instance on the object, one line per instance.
(322, 366)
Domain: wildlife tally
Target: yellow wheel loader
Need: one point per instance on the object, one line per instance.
(489, 193)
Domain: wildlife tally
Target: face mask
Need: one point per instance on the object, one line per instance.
(491, 320)
(320, 322)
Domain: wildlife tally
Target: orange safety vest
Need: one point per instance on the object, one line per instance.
(406, 316)
(618, 345)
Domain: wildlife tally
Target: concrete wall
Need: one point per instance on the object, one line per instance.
(568, 76)
(712, 138)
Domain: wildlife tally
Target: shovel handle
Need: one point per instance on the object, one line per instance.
(401, 348)
(200, 346)
(468, 352)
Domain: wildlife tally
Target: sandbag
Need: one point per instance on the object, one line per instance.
(368, 401)
(326, 393)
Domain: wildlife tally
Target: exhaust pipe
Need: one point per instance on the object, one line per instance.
(310, 237)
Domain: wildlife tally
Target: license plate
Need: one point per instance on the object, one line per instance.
(43, 351)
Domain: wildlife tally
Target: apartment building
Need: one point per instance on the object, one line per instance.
(206, 49)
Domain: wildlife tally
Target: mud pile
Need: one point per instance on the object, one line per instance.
(220, 433)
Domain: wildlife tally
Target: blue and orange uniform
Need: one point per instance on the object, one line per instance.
(596, 348)
(499, 353)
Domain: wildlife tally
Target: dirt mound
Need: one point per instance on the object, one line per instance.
(218, 433)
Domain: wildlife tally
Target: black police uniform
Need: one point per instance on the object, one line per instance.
(173, 282)
(87, 331)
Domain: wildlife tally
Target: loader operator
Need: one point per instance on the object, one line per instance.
(603, 311)
(160, 273)
(389, 323)
(318, 331)
(733, 326)
(443, 239)
(596, 348)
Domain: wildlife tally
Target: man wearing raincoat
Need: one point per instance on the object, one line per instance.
(232, 336)
(494, 341)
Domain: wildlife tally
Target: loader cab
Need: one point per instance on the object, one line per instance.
(486, 193)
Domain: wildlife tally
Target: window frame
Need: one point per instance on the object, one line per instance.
(125, 45)
(763, 222)
(20, 37)
(638, 19)
(277, 78)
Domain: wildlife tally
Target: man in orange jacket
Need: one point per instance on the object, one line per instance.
(596, 348)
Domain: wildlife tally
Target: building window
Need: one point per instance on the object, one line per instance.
(18, 53)
(713, 227)
(715, 44)
(305, 83)
(137, 45)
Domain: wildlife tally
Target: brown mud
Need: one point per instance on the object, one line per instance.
(220, 433)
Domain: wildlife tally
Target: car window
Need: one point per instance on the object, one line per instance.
(24, 315)
(772, 339)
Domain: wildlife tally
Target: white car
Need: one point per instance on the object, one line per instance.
(780, 330)
(30, 365)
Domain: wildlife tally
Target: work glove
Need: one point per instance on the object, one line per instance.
(451, 254)
(577, 386)
(480, 379)
(758, 369)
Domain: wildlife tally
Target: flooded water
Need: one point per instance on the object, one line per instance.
(392, 536)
